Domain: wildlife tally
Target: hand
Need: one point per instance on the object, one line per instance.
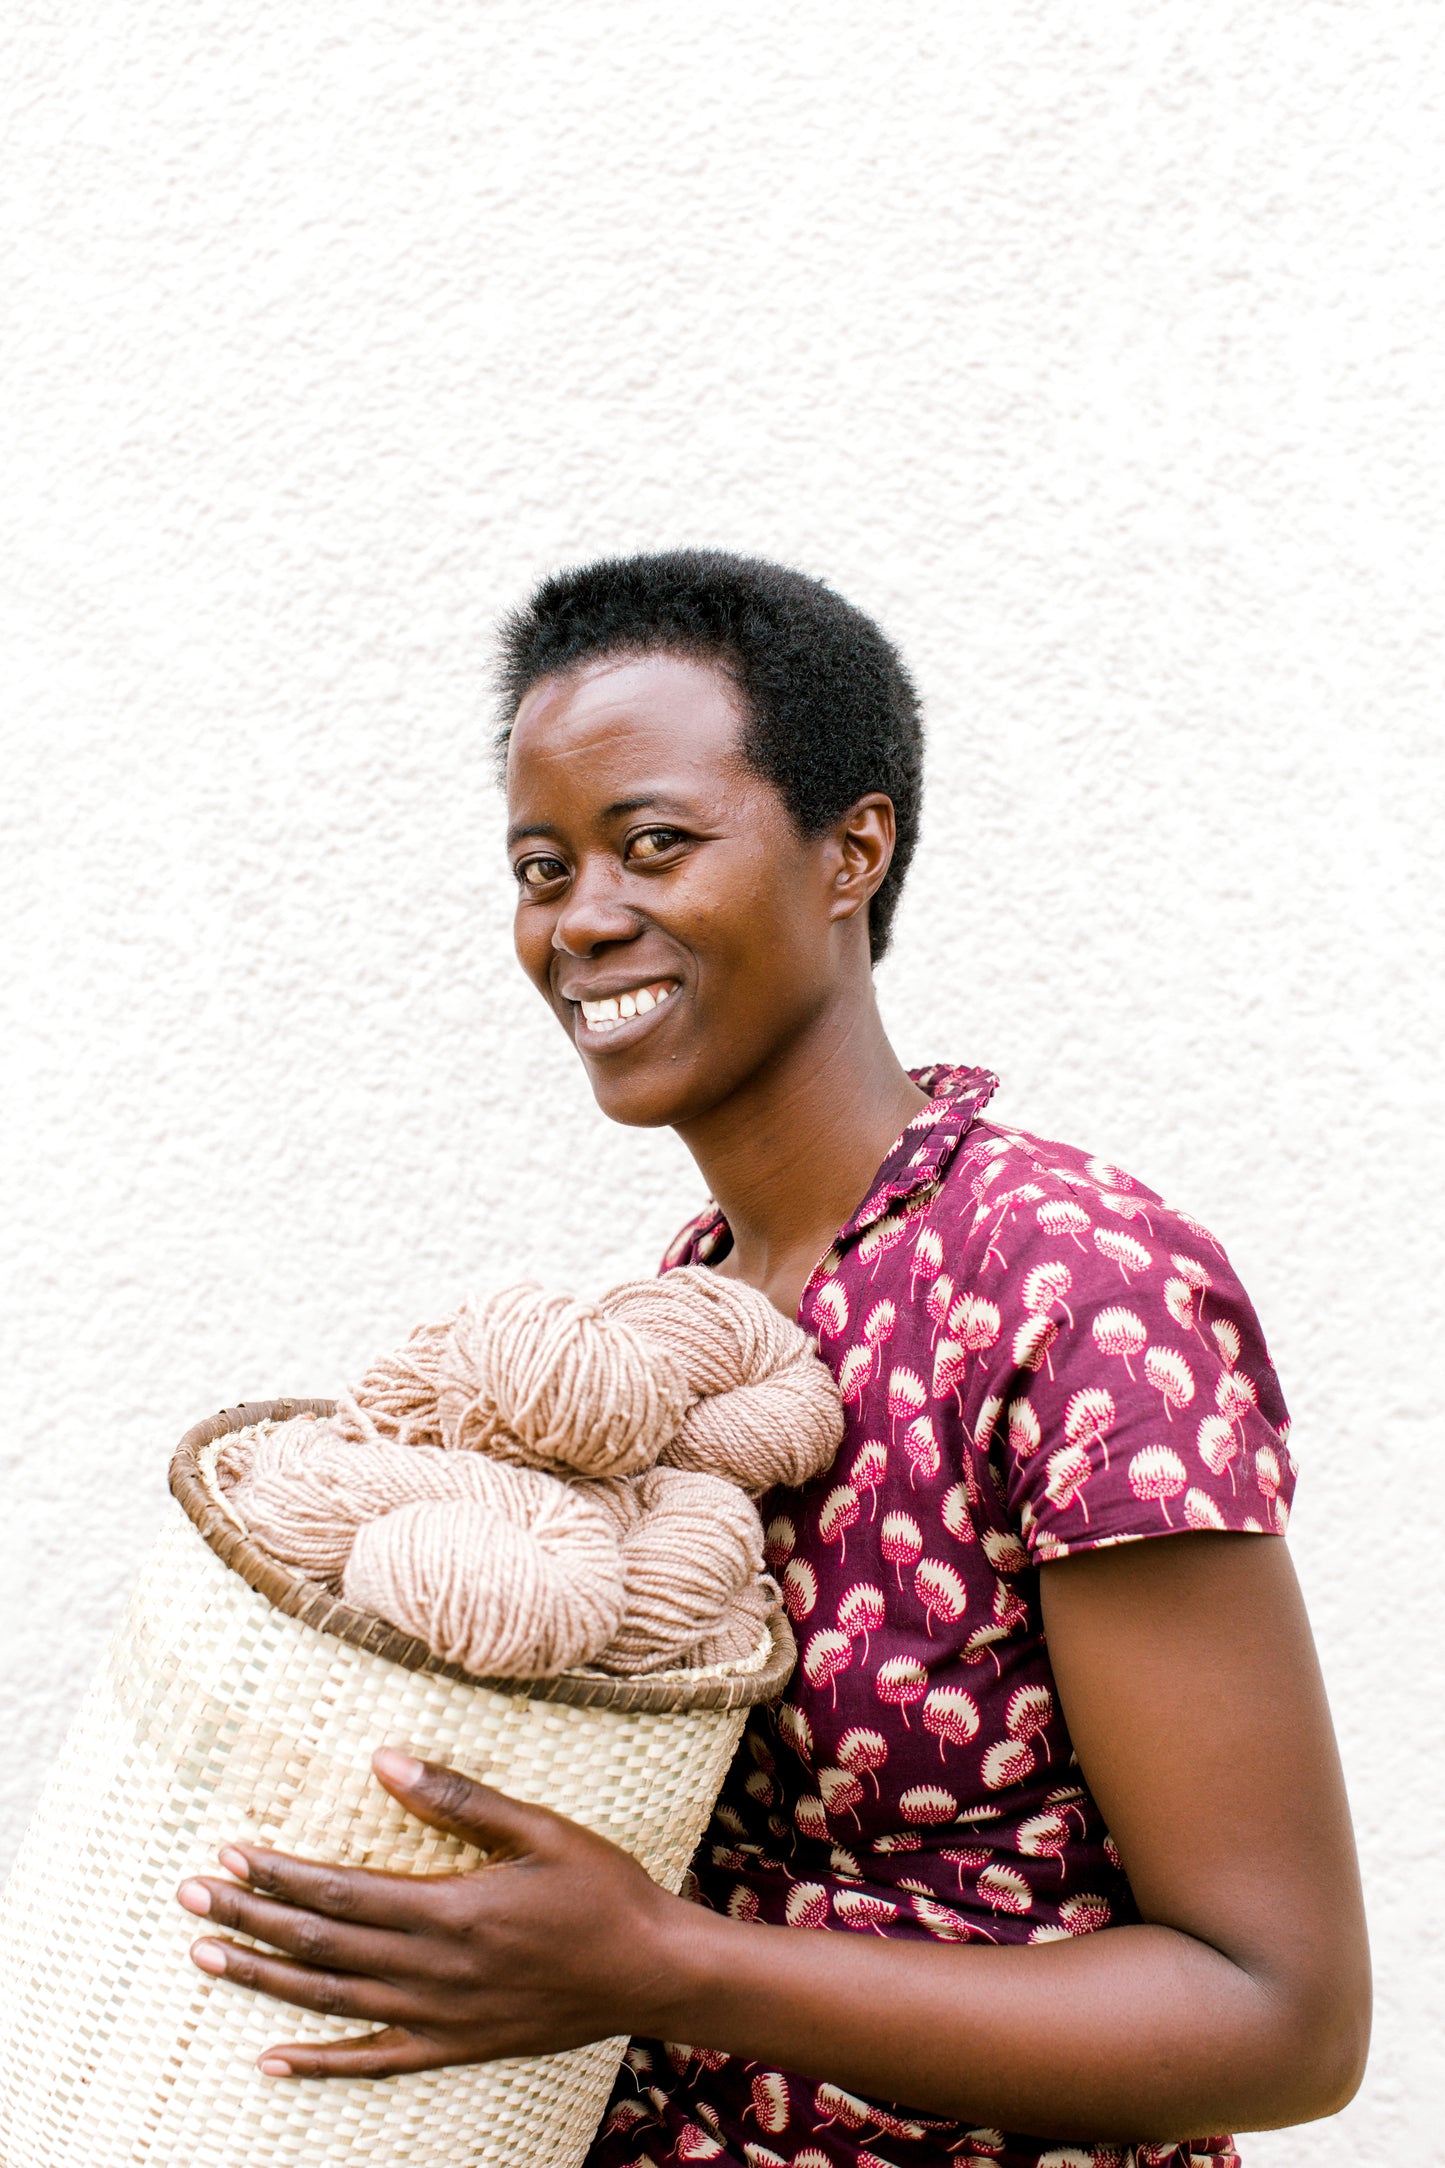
(558, 1939)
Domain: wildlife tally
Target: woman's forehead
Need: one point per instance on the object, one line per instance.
(625, 722)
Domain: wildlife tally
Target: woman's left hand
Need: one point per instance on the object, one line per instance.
(559, 1938)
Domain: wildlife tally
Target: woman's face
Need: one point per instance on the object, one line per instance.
(682, 930)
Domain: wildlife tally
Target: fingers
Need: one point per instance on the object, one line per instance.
(310, 1936)
(370, 2055)
(502, 1827)
(334, 1994)
(458, 1804)
(363, 1895)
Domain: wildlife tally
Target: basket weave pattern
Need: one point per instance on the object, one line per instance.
(218, 1714)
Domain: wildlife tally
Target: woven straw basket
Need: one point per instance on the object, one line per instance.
(241, 1700)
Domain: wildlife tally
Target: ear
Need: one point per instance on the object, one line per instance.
(861, 851)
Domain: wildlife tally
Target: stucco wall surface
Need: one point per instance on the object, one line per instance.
(1095, 347)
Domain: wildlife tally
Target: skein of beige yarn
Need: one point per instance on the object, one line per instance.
(719, 1330)
(695, 1546)
(765, 1409)
(503, 1598)
(548, 1380)
(303, 1490)
(545, 1380)
(655, 1369)
(741, 1629)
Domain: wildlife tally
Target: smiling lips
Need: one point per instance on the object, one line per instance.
(614, 1010)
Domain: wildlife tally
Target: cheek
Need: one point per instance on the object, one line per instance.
(755, 944)
(532, 941)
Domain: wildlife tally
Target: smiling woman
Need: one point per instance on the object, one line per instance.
(1095, 1898)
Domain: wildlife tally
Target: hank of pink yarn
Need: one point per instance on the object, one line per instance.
(763, 1409)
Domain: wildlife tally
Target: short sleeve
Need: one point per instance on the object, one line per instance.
(1127, 1390)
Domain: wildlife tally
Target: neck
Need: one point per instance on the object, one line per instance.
(790, 1156)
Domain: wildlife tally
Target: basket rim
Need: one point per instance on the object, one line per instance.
(296, 1596)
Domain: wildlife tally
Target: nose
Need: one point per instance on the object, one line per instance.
(594, 915)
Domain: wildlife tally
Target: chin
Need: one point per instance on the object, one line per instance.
(653, 1096)
(641, 1103)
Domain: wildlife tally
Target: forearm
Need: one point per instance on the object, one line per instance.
(1135, 2032)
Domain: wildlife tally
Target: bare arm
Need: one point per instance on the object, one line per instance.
(1187, 1674)
(1188, 1677)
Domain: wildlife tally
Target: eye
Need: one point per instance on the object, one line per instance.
(650, 843)
(536, 873)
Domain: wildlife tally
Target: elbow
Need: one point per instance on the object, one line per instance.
(1322, 2056)
(1342, 2063)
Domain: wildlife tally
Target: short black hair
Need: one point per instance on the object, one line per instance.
(830, 711)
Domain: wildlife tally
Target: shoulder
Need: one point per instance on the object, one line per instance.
(1115, 1362)
(1059, 1198)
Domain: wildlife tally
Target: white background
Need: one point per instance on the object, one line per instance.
(1095, 345)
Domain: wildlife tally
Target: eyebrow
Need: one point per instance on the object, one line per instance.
(612, 812)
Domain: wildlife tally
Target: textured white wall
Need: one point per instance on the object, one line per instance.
(1094, 344)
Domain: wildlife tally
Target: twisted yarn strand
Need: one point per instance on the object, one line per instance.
(764, 1410)
(512, 1599)
(696, 1545)
(575, 1387)
(741, 1627)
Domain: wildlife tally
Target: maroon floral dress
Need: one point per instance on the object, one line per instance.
(1036, 1356)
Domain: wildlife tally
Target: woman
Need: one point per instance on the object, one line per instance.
(1064, 1805)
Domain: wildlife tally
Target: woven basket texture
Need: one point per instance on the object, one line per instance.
(216, 1715)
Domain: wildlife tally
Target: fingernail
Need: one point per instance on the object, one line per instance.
(235, 1862)
(271, 2066)
(194, 1896)
(209, 1956)
(389, 1761)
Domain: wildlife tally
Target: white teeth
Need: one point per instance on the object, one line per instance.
(615, 1009)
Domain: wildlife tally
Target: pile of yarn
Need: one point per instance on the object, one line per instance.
(540, 1482)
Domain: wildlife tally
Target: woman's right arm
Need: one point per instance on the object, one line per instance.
(1188, 1677)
